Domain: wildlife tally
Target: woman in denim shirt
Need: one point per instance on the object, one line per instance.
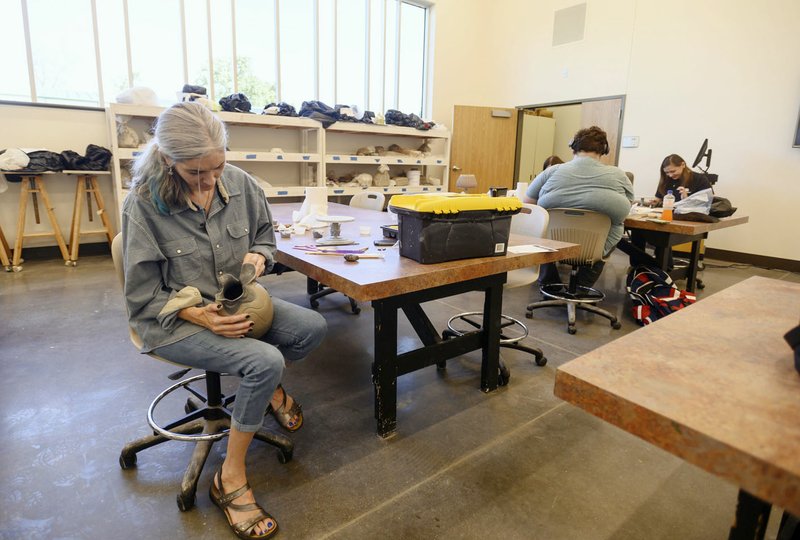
(189, 219)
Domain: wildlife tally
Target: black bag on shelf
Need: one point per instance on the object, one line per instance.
(398, 118)
(283, 109)
(96, 159)
(317, 110)
(44, 160)
(194, 89)
(235, 103)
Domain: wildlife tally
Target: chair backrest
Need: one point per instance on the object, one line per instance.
(116, 256)
(371, 200)
(119, 267)
(532, 221)
(584, 227)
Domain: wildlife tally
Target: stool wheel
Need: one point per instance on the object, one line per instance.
(616, 325)
(15, 269)
(503, 375)
(127, 461)
(571, 329)
(71, 263)
(186, 501)
(285, 457)
(541, 361)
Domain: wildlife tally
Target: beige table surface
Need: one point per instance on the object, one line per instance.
(713, 384)
(369, 279)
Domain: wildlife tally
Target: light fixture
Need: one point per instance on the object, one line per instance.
(466, 181)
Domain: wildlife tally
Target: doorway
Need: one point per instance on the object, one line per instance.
(545, 130)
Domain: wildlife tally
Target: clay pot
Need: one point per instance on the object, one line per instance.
(245, 295)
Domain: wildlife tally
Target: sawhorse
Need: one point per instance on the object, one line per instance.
(87, 186)
(32, 185)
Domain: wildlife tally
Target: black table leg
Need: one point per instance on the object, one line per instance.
(752, 515)
(691, 271)
(492, 309)
(384, 367)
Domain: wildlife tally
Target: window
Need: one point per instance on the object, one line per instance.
(62, 48)
(14, 84)
(367, 53)
(156, 52)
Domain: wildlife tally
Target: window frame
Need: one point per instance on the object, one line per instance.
(385, 49)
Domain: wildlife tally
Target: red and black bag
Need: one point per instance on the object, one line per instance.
(654, 294)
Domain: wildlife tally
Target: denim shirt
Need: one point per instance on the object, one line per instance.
(183, 253)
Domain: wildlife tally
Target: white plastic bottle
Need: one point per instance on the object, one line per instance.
(667, 205)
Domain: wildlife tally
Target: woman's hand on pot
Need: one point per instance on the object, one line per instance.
(209, 316)
(257, 260)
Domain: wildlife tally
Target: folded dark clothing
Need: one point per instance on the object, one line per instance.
(319, 111)
(284, 109)
(397, 118)
(96, 159)
(235, 103)
(44, 160)
(194, 89)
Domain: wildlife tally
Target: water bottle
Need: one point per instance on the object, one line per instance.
(667, 205)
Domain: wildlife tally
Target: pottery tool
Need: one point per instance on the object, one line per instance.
(352, 257)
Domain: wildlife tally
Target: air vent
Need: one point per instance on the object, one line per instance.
(569, 24)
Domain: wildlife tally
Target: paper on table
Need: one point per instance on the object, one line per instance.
(530, 248)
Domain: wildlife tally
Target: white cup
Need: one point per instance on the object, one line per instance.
(365, 230)
(413, 178)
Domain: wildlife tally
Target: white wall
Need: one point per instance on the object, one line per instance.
(722, 69)
(55, 130)
(734, 79)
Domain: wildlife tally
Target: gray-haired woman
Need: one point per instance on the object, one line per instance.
(190, 218)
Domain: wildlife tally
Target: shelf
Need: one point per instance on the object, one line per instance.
(374, 129)
(230, 118)
(284, 191)
(286, 157)
(388, 160)
(289, 157)
(336, 191)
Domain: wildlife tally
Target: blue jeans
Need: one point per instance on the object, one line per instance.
(295, 332)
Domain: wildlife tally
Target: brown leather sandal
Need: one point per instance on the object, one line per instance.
(284, 416)
(244, 528)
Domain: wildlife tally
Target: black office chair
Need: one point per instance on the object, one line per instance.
(207, 419)
(590, 230)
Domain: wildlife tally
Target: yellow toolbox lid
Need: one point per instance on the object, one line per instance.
(453, 203)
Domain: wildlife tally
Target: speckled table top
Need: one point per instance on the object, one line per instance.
(713, 384)
(374, 279)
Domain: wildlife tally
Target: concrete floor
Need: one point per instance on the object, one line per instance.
(516, 463)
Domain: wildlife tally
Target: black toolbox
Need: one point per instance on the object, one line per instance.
(445, 227)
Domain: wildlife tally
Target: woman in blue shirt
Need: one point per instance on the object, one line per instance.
(191, 217)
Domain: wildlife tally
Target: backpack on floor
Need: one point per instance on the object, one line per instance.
(654, 295)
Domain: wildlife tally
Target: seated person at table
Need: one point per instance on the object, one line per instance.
(677, 177)
(587, 184)
(552, 160)
(680, 179)
(189, 218)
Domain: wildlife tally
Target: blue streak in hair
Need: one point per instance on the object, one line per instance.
(159, 203)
